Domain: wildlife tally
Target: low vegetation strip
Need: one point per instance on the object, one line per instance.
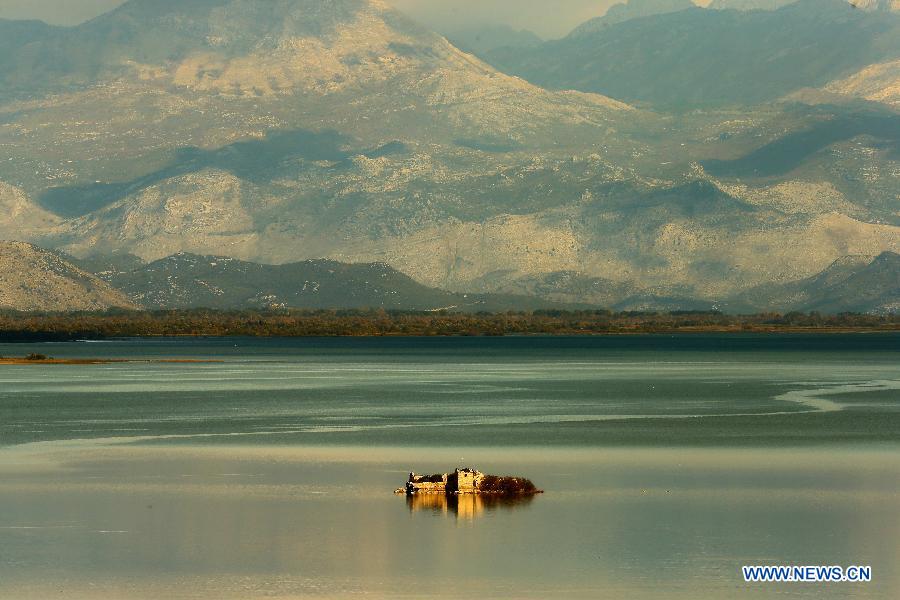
(507, 486)
(58, 327)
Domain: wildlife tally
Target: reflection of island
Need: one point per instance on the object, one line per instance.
(465, 506)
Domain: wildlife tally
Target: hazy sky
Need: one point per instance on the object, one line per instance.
(58, 12)
(548, 18)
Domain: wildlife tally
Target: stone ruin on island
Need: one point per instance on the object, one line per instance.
(467, 481)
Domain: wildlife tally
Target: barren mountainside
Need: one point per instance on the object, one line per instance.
(34, 279)
(862, 284)
(294, 130)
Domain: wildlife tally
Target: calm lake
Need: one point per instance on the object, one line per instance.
(268, 472)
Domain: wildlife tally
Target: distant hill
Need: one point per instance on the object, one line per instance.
(191, 281)
(631, 9)
(479, 40)
(853, 284)
(702, 58)
(33, 279)
(874, 5)
(748, 4)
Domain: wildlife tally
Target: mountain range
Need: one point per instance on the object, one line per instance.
(33, 279)
(861, 284)
(185, 281)
(666, 156)
(666, 60)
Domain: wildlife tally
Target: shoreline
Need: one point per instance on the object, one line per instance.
(380, 323)
(54, 337)
(99, 361)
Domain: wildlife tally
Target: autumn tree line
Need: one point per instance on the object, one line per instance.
(300, 323)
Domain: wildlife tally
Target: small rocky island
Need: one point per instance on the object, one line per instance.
(468, 481)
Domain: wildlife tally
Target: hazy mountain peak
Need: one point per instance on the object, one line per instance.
(307, 39)
(631, 9)
(294, 13)
(478, 40)
(246, 26)
(748, 4)
(697, 57)
(872, 5)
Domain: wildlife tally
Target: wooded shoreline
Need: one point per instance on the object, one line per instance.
(19, 327)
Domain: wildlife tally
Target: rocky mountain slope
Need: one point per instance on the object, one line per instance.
(877, 83)
(862, 284)
(282, 131)
(212, 125)
(33, 279)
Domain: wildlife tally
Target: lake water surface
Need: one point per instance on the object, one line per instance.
(668, 463)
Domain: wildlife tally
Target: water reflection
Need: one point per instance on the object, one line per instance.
(236, 522)
(465, 506)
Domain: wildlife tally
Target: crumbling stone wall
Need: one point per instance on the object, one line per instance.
(427, 484)
(461, 481)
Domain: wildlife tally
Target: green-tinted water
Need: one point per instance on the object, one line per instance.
(668, 464)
